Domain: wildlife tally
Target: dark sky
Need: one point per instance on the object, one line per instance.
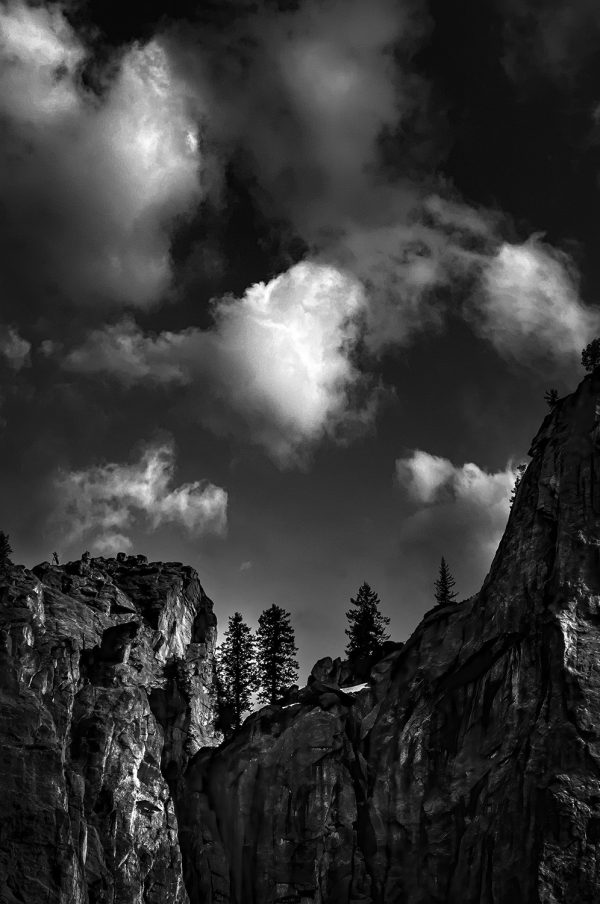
(283, 285)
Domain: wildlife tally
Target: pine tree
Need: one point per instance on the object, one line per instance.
(236, 670)
(518, 478)
(366, 631)
(444, 584)
(551, 397)
(276, 652)
(590, 356)
(5, 549)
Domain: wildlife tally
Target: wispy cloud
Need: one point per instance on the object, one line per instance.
(13, 348)
(92, 182)
(101, 504)
(461, 511)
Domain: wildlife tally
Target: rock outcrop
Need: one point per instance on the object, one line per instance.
(106, 671)
(467, 770)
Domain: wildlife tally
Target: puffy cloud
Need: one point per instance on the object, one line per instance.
(530, 305)
(277, 366)
(103, 502)
(14, 348)
(461, 513)
(92, 182)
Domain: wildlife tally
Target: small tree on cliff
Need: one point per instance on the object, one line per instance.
(590, 356)
(275, 653)
(5, 549)
(520, 470)
(444, 584)
(366, 631)
(551, 397)
(236, 671)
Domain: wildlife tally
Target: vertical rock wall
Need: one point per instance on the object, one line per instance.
(105, 677)
(468, 770)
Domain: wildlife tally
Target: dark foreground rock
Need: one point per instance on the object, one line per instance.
(105, 677)
(468, 770)
(465, 769)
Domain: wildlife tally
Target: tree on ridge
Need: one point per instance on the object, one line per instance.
(443, 586)
(275, 653)
(367, 626)
(236, 672)
(5, 549)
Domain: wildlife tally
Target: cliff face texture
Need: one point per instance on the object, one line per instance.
(465, 770)
(105, 671)
(468, 770)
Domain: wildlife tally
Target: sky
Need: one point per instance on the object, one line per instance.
(283, 286)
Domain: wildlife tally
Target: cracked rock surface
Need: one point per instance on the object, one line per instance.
(106, 671)
(468, 770)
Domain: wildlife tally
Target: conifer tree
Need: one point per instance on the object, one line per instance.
(366, 631)
(518, 478)
(276, 653)
(5, 549)
(590, 356)
(551, 397)
(236, 671)
(444, 584)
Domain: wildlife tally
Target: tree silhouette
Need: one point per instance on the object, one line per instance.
(366, 631)
(551, 397)
(275, 653)
(444, 584)
(236, 670)
(519, 477)
(5, 549)
(590, 356)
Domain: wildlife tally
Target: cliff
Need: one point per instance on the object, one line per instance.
(105, 670)
(464, 770)
(467, 771)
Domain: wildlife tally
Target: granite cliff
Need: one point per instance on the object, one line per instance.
(106, 674)
(465, 769)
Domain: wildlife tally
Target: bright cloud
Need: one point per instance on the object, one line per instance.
(530, 304)
(14, 348)
(104, 177)
(102, 503)
(460, 510)
(277, 366)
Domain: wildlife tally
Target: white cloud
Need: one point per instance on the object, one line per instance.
(461, 512)
(103, 502)
(529, 304)
(277, 366)
(14, 348)
(92, 183)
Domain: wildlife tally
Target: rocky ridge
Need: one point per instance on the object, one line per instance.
(465, 769)
(106, 673)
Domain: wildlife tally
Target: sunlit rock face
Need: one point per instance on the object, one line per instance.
(106, 670)
(464, 768)
(467, 771)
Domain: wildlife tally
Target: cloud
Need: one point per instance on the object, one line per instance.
(92, 181)
(548, 40)
(14, 348)
(277, 366)
(130, 356)
(103, 502)
(461, 513)
(529, 304)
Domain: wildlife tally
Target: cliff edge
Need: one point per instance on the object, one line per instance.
(105, 676)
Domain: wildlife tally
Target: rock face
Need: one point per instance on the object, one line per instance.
(105, 670)
(467, 771)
